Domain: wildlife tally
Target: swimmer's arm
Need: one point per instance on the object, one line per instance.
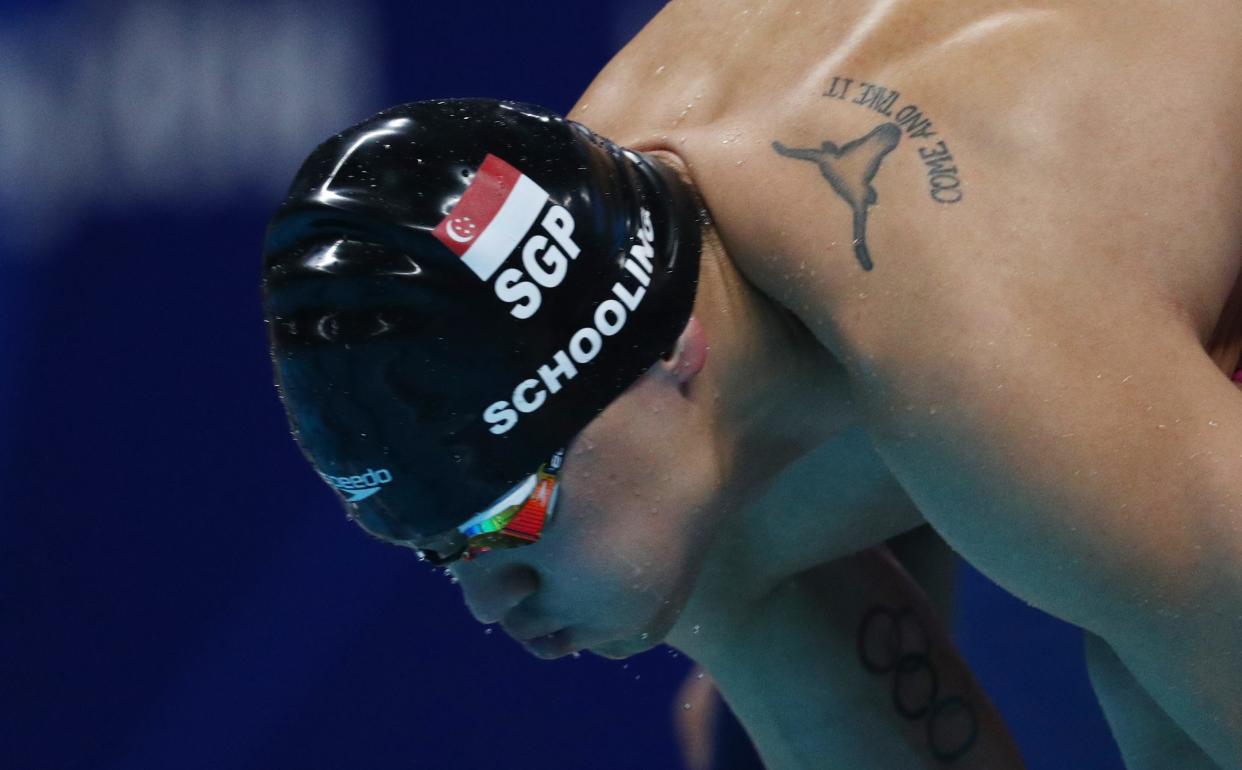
(1147, 737)
(1094, 472)
(873, 694)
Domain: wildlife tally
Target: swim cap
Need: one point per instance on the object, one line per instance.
(455, 288)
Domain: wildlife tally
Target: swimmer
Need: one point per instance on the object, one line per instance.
(385, 354)
(571, 365)
(581, 338)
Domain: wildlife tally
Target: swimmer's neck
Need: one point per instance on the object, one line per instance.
(782, 393)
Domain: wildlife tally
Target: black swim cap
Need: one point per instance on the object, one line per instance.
(454, 289)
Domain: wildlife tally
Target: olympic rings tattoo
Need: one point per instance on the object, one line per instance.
(896, 642)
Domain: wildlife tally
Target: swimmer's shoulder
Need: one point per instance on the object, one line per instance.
(987, 152)
(1073, 137)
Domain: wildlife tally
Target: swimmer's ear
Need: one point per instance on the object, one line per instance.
(690, 354)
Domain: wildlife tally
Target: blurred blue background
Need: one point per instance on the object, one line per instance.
(177, 589)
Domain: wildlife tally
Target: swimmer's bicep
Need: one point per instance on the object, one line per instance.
(1055, 451)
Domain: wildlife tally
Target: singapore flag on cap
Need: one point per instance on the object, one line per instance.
(491, 219)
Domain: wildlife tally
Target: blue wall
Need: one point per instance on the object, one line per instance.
(177, 589)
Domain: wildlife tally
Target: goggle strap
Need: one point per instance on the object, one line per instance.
(513, 497)
(529, 521)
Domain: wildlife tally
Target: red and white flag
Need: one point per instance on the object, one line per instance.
(491, 219)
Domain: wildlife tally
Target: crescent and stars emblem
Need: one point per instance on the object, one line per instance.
(462, 229)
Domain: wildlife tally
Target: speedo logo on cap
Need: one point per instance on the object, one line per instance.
(497, 215)
(359, 487)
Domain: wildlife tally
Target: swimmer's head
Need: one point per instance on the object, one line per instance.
(454, 290)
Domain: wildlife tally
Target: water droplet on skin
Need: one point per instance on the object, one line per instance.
(685, 707)
(700, 675)
(637, 677)
(659, 69)
(577, 655)
(695, 630)
(487, 632)
(1213, 424)
(644, 635)
(1161, 427)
